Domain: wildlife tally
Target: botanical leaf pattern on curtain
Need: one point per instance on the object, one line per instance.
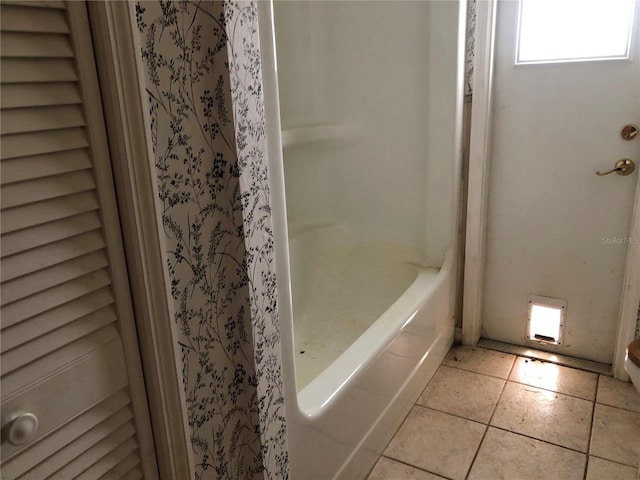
(248, 108)
(213, 190)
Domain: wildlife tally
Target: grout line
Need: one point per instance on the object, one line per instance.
(474, 371)
(486, 429)
(618, 408)
(613, 461)
(416, 467)
(540, 440)
(481, 373)
(451, 414)
(593, 416)
(553, 391)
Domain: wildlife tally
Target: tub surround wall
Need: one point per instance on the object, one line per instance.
(346, 85)
(444, 143)
(353, 76)
(203, 82)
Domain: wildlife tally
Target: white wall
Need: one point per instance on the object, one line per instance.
(383, 74)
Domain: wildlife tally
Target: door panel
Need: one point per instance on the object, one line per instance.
(555, 228)
(68, 346)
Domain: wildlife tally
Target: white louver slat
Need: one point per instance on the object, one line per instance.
(41, 346)
(33, 119)
(30, 284)
(39, 20)
(40, 70)
(23, 193)
(134, 474)
(111, 458)
(61, 313)
(25, 144)
(37, 259)
(42, 45)
(84, 424)
(54, 318)
(30, 373)
(28, 168)
(38, 95)
(123, 468)
(42, 212)
(54, 4)
(16, 242)
(51, 298)
(76, 448)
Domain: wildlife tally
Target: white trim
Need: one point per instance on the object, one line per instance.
(630, 295)
(479, 151)
(116, 43)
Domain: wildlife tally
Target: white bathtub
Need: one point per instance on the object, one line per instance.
(340, 423)
(344, 403)
(341, 420)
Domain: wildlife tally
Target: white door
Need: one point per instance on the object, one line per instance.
(73, 398)
(555, 228)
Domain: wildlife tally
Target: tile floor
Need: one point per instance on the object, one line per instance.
(488, 415)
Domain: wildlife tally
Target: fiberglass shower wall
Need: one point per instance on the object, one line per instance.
(367, 101)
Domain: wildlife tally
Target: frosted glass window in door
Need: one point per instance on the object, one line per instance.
(574, 30)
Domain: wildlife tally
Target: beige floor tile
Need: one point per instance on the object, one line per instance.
(600, 469)
(467, 394)
(480, 360)
(387, 469)
(616, 435)
(437, 442)
(549, 416)
(618, 394)
(555, 377)
(505, 455)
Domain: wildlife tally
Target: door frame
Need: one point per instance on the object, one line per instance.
(116, 43)
(477, 203)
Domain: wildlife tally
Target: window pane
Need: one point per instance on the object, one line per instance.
(566, 30)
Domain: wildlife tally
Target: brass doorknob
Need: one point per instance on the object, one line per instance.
(623, 167)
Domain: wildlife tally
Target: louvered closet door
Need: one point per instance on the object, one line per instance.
(68, 338)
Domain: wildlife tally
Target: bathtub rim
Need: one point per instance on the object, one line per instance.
(326, 389)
